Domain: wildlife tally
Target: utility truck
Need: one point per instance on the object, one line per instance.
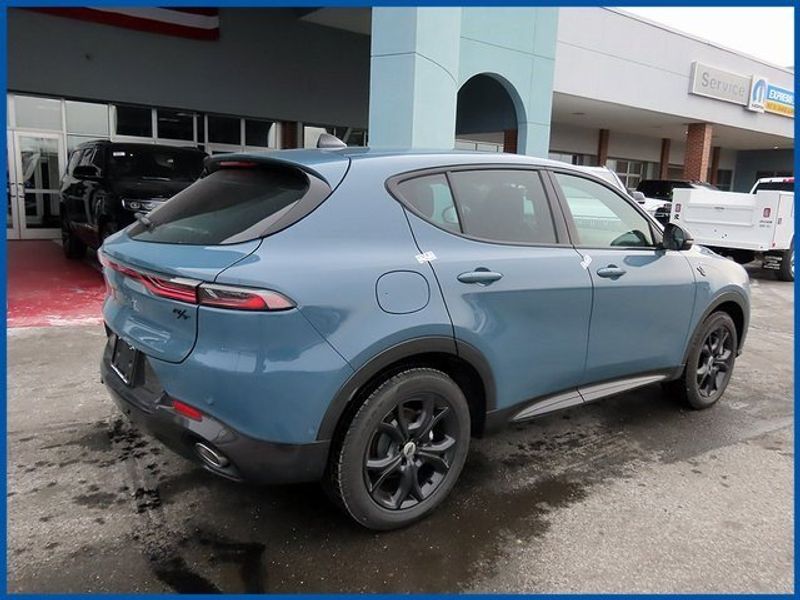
(744, 227)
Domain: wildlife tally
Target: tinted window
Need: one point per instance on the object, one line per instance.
(175, 124)
(602, 218)
(660, 188)
(781, 186)
(155, 163)
(504, 205)
(227, 204)
(432, 198)
(256, 133)
(224, 130)
(93, 156)
(134, 120)
(73, 160)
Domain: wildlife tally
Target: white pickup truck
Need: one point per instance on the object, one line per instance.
(745, 227)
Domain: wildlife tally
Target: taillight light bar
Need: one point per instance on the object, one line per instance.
(241, 298)
(207, 294)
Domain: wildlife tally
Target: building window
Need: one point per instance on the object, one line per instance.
(257, 133)
(175, 124)
(38, 113)
(724, 179)
(573, 158)
(224, 130)
(134, 121)
(631, 172)
(87, 118)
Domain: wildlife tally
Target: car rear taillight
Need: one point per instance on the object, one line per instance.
(241, 298)
(767, 212)
(197, 292)
(678, 208)
(174, 288)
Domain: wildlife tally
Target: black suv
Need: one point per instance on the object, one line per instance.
(107, 183)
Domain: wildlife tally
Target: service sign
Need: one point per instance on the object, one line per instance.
(712, 82)
(779, 101)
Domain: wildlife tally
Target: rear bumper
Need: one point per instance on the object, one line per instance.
(249, 459)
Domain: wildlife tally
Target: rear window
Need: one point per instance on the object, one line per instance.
(660, 188)
(779, 186)
(155, 164)
(229, 206)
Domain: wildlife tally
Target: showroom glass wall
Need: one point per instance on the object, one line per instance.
(43, 131)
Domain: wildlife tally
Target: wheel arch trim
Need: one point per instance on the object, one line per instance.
(723, 298)
(396, 353)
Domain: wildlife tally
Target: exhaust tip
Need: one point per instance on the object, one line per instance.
(210, 456)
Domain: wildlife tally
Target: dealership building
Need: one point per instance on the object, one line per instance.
(583, 85)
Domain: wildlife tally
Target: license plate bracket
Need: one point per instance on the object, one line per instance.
(124, 358)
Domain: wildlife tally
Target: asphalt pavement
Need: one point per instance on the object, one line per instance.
(631, 494)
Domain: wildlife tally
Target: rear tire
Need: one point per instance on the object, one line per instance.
(73, 247)
(709, 365)
(403, 451)
(786, 272)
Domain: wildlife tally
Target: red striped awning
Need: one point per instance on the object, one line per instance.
(194, 23)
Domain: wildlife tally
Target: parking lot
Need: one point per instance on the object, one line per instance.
(633, 494)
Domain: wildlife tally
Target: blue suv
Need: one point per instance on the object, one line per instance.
(354, 316)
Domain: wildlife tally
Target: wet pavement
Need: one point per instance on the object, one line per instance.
(633, 493)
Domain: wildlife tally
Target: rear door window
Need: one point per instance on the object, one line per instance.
(504, 206)
(228, 206)
(432, 198)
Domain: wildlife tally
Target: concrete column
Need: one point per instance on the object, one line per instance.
(602, 147)
(698, 146)
(712, 176)
(414, 70)
(510, 141)
(663, 166)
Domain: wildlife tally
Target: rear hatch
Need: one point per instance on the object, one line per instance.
(156, 269)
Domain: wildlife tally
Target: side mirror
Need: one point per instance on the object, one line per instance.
(638, 196)
(86, 172)
(676, 238)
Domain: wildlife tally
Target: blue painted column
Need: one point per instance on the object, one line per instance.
(414, 77)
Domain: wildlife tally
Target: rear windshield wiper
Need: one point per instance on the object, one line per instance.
(145, 221)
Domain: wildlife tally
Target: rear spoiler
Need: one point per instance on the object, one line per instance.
(330, 167)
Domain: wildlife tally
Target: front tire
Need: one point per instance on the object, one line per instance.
(403, 451)
(710, 363)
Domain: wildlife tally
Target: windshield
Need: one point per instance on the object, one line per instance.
(156, 163)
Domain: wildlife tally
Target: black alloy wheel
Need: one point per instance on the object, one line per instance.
(715, 362)
(410, 451)
(402, 452)
(709, 364)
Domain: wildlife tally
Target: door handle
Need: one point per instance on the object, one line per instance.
(611, 271)
(480, 275)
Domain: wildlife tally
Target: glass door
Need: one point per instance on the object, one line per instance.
(12, 218)
(39, 163)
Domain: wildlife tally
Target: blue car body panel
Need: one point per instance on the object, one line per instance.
(267, 375)
(657, 294)
(531, 325)
(356, 270)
